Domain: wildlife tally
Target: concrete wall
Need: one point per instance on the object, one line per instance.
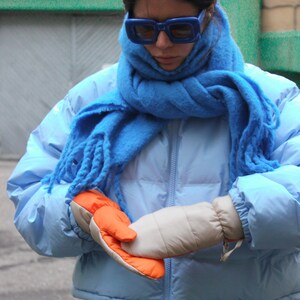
(280, 38)
(42, 56)
(280, 15)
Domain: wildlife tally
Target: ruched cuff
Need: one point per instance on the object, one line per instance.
(76, 228)
(238, 201)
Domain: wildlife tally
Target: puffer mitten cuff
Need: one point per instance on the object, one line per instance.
(229, 218)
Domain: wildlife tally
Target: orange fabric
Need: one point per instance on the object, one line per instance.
(93, 200)
(115, 223)
(113, 226)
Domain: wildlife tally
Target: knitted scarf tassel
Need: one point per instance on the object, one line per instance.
(88, 159)
(252, 131)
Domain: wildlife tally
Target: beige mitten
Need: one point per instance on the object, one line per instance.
(179, 230)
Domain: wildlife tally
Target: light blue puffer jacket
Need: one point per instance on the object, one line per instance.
(184, 164)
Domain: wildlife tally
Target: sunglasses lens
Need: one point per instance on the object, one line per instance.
(145, 32)
(181, 31)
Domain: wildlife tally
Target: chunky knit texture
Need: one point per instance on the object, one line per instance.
(111, 131)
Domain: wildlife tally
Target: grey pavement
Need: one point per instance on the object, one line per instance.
(23, 273)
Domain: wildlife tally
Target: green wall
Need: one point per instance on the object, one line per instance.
(281, 51)
(276, 52)
(244, 17)
(61, 5)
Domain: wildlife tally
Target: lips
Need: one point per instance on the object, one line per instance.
(166, 60)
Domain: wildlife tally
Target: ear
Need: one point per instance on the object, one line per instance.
(209, 13)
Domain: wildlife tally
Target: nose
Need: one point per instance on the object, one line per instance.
(163, 41)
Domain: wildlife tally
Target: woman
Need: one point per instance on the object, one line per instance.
(182, 138)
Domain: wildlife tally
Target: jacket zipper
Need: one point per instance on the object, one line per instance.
(174, 128)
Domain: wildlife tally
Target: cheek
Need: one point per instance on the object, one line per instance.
(185, 49)
(150, 48)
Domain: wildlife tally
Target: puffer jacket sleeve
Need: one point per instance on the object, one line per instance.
(45, 220)
(269, 203)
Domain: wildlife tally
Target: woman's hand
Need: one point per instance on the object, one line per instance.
(109, 226)
(179, 230)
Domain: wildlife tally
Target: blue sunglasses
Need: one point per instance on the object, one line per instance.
(179, 30)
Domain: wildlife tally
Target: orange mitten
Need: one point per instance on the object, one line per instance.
(85, 204)
(108, 225)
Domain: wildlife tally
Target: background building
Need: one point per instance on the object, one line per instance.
(280, 38)
(48, 46)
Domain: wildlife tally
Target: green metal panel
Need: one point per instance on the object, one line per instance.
(61, 5)
(244, 16)
(280, 51)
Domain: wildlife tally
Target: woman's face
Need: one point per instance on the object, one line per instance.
(168, 55)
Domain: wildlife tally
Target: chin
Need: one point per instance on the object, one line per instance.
(169, 67)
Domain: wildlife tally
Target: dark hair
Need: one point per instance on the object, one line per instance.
(201, 4)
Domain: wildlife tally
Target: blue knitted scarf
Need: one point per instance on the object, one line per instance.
(111, 131)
